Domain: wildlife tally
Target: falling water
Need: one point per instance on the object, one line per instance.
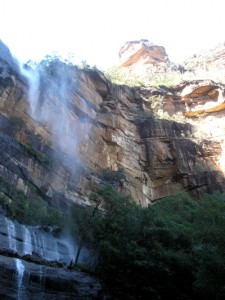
(34, 82)
(19, 264)
(46, 246)
(20, 272)
(27, 243)
(51, 96)
(11, 234)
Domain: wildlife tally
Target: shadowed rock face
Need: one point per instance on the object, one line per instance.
(34, 281)
(175, 162)
(92, 126)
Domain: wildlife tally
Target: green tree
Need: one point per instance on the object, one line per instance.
(83, 218)
(170, 250)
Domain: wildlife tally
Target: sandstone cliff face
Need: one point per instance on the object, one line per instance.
(145, 61)
(71, 130)
(142, 52)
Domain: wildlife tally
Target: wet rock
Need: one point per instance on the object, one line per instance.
(37, 281)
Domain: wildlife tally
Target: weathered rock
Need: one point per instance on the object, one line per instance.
(203, 97)
(142, 52)
(36, 244)
(175, 162)
(31, 281)
(211, 60)
(9, 69)
(144, 62)
(68, 130)
(83, 125)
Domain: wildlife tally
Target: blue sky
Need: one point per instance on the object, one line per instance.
(94, 30)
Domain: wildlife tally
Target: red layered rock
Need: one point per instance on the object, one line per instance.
(142, 52)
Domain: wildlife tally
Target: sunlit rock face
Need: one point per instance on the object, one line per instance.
(142, 52)
(205, 108)
(144, 59)
(84, 131)
(202, 98)
(211, 60)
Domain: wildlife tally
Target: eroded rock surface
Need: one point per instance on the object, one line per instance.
(81, 126)
(142, 52)
(64, 131)
(211, 60)
(32, 281)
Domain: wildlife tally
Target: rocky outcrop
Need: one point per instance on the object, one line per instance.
(203, 97)
(145, 62)
(142, 52)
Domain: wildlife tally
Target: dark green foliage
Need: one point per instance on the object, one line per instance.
(81, 217)
(54, 66)
(112, 176)
(31, 210)
(38, 155)
(83, 220)
(173, 249)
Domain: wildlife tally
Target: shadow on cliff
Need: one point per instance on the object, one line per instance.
(174, 158)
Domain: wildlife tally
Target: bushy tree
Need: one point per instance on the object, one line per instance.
(170, 250)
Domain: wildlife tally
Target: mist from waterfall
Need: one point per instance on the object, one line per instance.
(56, 105)
(34, 84)
(52, 86)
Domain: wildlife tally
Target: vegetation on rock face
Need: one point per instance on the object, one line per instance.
(195, 68)
(173, 249)
(151, 77)
(32, 209)
(38, 155)
(111, 177)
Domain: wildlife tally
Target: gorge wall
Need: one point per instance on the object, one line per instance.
(84, 131)
(65, 130)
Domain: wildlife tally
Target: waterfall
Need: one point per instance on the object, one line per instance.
(31, 240)
(20, 272)
(27, 243)
(46, 246)
(19, 264)
(34, 82)
(11, 234)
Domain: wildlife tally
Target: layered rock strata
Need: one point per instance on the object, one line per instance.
(82, 131)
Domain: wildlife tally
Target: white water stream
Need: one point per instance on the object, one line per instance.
(20, 272)
(19, 264)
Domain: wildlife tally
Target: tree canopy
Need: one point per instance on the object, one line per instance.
(173, 249)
